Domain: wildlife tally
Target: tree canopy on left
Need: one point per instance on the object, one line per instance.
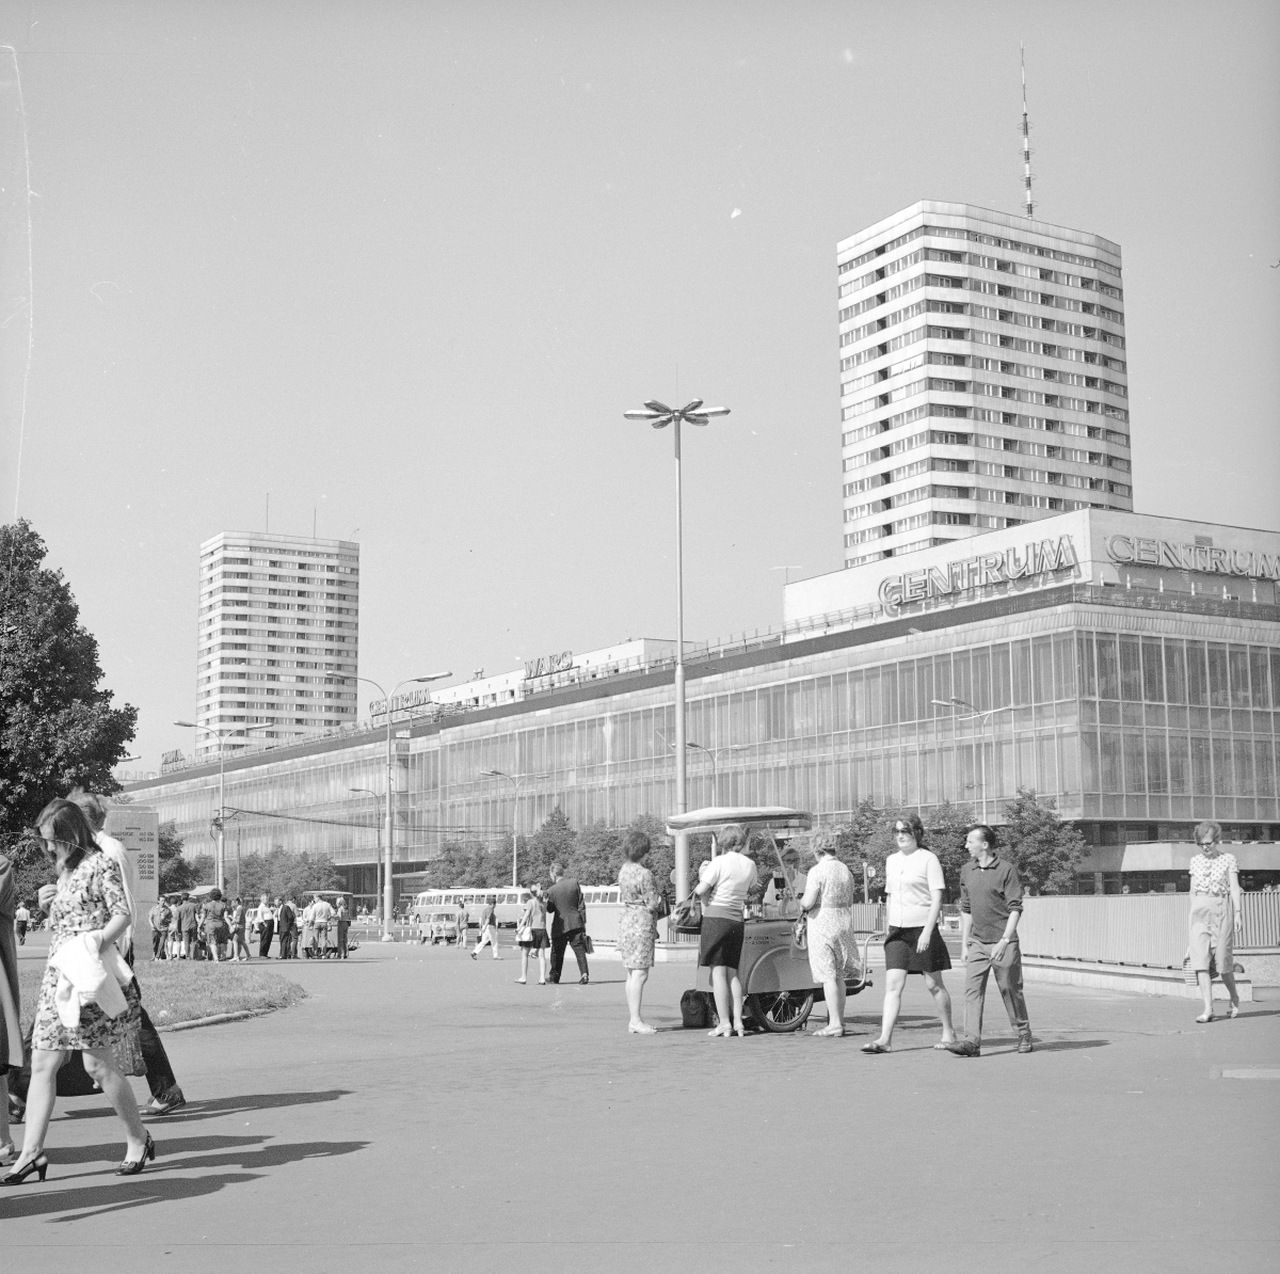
(58, 727)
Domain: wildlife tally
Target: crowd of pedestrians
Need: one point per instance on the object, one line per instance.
(184, 928)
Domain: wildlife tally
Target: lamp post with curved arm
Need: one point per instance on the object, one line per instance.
(388, 891)
(659, 416)
(219, 865)
(515, 815)
(974, 715)
(220, 868)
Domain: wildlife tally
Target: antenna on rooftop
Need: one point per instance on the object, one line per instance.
(1026, 137)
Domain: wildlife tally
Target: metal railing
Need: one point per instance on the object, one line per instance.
(1138, 929)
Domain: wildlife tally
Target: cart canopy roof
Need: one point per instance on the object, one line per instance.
(775, 818)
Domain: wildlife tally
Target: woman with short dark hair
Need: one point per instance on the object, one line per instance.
(914, 887)
(640, 899)
(724, 883)
(531, 934)
(213, 916)
(87, 906)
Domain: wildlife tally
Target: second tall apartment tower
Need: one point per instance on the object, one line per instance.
(983, 377)
(279, 639)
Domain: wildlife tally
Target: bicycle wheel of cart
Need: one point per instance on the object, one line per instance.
(781, 1011)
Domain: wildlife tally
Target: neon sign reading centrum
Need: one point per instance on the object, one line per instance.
(1043, 557)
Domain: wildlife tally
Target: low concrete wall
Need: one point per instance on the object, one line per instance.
(1113, 977)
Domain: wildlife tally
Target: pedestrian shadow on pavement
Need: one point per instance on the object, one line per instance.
(83, 1203)
(217, 1106)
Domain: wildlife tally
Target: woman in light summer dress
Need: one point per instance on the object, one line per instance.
(1215, 916)
(531, 934)
(88, 902)
(833, 948)
(640, 900)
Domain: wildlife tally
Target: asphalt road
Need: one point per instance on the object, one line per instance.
(421, 1111)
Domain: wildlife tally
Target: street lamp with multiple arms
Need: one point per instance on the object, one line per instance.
(659, 416)
(515, 814)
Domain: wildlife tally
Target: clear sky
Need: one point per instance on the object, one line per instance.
(404, 265)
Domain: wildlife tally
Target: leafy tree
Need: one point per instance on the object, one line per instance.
(597, 855)
(176, 872)
(57, 726)
(282, 874)
(946, 828)
(866, 837)
(1043, 848)
(553, 842)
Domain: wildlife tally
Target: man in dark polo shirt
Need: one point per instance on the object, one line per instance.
(990, 908)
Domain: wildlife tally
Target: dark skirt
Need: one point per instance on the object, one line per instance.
(900, 951)
(536, 940)
(721, 942)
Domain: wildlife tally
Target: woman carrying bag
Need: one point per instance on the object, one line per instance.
(88, 907)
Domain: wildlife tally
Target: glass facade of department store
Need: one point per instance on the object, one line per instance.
(1138, 715)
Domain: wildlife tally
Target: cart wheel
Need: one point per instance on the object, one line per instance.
(781, 1011)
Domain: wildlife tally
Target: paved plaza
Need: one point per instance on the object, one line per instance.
(421, 1111)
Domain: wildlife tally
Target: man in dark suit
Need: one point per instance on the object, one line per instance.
(287, 927)
(568, 923)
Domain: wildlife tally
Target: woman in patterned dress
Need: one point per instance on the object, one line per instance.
(640, 899)
(1215, 916)
(89, 898)
(833, 947)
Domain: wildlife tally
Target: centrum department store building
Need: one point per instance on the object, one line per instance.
(1128, 666)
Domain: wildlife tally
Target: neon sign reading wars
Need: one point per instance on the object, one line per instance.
(1038, 558)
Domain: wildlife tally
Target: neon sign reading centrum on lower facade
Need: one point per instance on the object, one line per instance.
(1042, 557)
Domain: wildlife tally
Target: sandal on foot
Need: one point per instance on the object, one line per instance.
(875, 1047)
(1205, 1017)
(1234, 1010)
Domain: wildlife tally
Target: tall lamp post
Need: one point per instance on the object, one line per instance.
(388, 893)
(219, 866)
(515, 815)
(377, 831)
(659, 416)
(973, 715)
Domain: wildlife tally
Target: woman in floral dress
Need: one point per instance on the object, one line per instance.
(636, 931)
(833, 946)
(89, 898)
(1214, 917)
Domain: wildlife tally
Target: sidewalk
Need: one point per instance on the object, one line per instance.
(421, 1111)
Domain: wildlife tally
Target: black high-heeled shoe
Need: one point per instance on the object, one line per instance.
(39, 1165)
(131, 1167)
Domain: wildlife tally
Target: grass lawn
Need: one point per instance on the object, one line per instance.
(183, 990)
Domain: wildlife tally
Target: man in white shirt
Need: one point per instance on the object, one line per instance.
(21, 919)
(321, 918)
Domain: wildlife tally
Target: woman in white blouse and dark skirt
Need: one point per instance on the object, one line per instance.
(724, 883)
(914, 885)
(1215, 916)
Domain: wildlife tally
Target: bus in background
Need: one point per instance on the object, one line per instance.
(508, 906)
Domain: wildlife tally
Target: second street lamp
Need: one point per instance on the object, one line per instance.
(515, 815)
(388, 890)
(659, 416)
